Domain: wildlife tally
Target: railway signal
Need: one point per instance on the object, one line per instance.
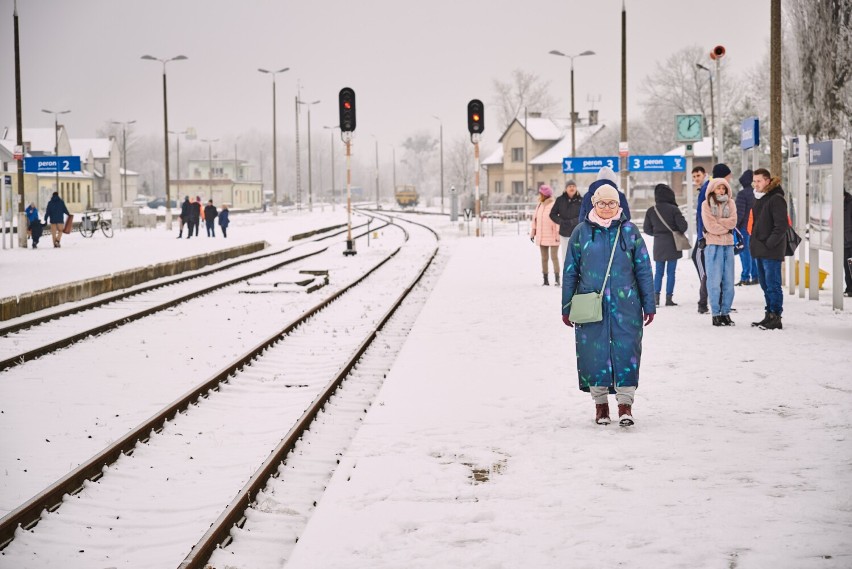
(347, 109)
(347, 128)
(475, 116)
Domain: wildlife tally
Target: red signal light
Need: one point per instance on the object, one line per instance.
(347, 105)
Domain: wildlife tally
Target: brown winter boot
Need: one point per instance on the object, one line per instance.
(625, 415)
(555, 279)
(602, 413)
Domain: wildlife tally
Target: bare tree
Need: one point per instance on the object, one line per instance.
(460, 164)
(523, 89)
(420, 157)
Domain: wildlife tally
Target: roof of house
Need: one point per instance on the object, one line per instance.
(562, 147)
(42, 140)
(541, 128)
(495, 157)
(700, 149)
(100, 147)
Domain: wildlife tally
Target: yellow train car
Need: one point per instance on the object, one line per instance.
(406, 196)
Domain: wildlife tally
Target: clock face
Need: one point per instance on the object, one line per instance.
(689, 128)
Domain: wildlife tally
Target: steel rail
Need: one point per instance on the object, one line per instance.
(28, 514)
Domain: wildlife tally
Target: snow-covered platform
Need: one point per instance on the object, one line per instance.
(480, 451)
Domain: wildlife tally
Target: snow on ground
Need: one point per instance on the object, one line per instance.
(482, 452)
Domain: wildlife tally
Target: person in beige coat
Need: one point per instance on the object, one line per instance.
(719, 215)
(545, 233)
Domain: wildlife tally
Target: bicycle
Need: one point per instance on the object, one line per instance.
(88, 226)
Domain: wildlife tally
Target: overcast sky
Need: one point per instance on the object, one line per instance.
(407, 60)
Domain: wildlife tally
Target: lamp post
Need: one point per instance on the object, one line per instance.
(209, 142)
(441, 135)
(177, 174)
(333, 197)
(377, 169)
(56, 136)
(310, 177)
(166, 133)
(393, 155)
(274, 141)
(712, 111)
(123, 159)
(571, 57)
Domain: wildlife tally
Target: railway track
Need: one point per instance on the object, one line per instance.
(188, 456)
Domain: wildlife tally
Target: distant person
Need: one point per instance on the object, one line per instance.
(769, 243)
(545, 233)
(745, 201)
(184, 217)
(54, 214)
(209, 218)
(699, 179)
(194, 216)
(609, 351)
(661, 221)
(606, 174)
(719, 216)
(847, 240)
(223, 220)
(566, 213)
(33, 223)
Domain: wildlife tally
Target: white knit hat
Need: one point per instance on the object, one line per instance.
(606, 193)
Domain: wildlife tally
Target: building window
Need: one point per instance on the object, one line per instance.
(498, 187)
(517, 188)
(518, 154)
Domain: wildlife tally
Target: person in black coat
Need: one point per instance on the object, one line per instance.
(566, 214)
(665, 211)
(745, 201)
(194, 217)
(184, 215)
(209, 218)
(54, 214)
(847, 240)
(769, 243)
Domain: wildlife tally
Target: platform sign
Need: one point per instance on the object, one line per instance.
(657, 164)
(51, 164)
(589, 164)
(750, 133)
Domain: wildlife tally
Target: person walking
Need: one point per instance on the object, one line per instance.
(769, 243)
(33, 223)
(745, 201)
(223, 220)
(184, 217)
(566, 213)
(545, 233)
(609, 351)
(209, 218)
(661, 221)
(719, 215)
(54, 214)
(699, 179)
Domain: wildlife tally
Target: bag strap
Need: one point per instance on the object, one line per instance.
(660, 217)
(611, 255)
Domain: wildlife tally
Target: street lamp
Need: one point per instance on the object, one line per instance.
(209, 142)
(333, 196)
(377, 169)
(442, 160)
(571, 57)
(712, 111)
(274, 141)
(177, 173)
(310, 178)
(56, 136)
(166, 133)
(123, 160)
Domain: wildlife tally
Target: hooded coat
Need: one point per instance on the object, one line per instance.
(665, 208)
(718, 227)
(745, 201)
(609, 351)
(184, 210)
(586, 206)
(566, 212)
(55, 211)
(769, 227)
(542, 229)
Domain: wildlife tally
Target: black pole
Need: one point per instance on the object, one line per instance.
(274, 152)
(22, 235)
(166, 138)
(623, 94)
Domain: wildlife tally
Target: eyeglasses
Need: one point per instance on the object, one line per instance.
(609, 205)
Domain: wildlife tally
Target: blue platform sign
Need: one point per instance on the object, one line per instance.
(657, 164)
(750, 133)
(820, 153)
(50, 164)
(589, 164)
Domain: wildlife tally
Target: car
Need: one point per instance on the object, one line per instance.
(160, 202)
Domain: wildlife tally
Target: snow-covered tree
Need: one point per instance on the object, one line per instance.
(523, 89)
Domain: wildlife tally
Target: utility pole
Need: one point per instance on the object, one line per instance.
(22, 218)
(624, 99)
(775, 90)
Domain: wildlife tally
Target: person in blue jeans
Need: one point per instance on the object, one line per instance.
(769, 243)
(745, 201)
(719, 215)
(660, 221)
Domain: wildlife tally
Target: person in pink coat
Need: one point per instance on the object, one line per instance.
(545, 233)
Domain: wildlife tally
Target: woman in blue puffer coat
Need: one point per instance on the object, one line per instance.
(609, 351)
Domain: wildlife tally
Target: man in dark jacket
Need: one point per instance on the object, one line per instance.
(745, 201)
(209, 217)
(769, 243)
(566, 213)
(847, 240)
(184, 216)
(661, 221)
(194, 217)
(54, 214)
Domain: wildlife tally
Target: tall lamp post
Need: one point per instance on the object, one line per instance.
(56, 136)
(712, 111)
(209, 142)
(573, 121)
(310, 173)
(166, 132)
(441, 135)
(177, 169)
(124, 126)
(274, 141)
(333, 197)
(377, 169)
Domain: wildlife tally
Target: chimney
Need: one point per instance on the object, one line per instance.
(535, 114)
(593, 117)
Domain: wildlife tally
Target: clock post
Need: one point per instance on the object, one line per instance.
(689, 129)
